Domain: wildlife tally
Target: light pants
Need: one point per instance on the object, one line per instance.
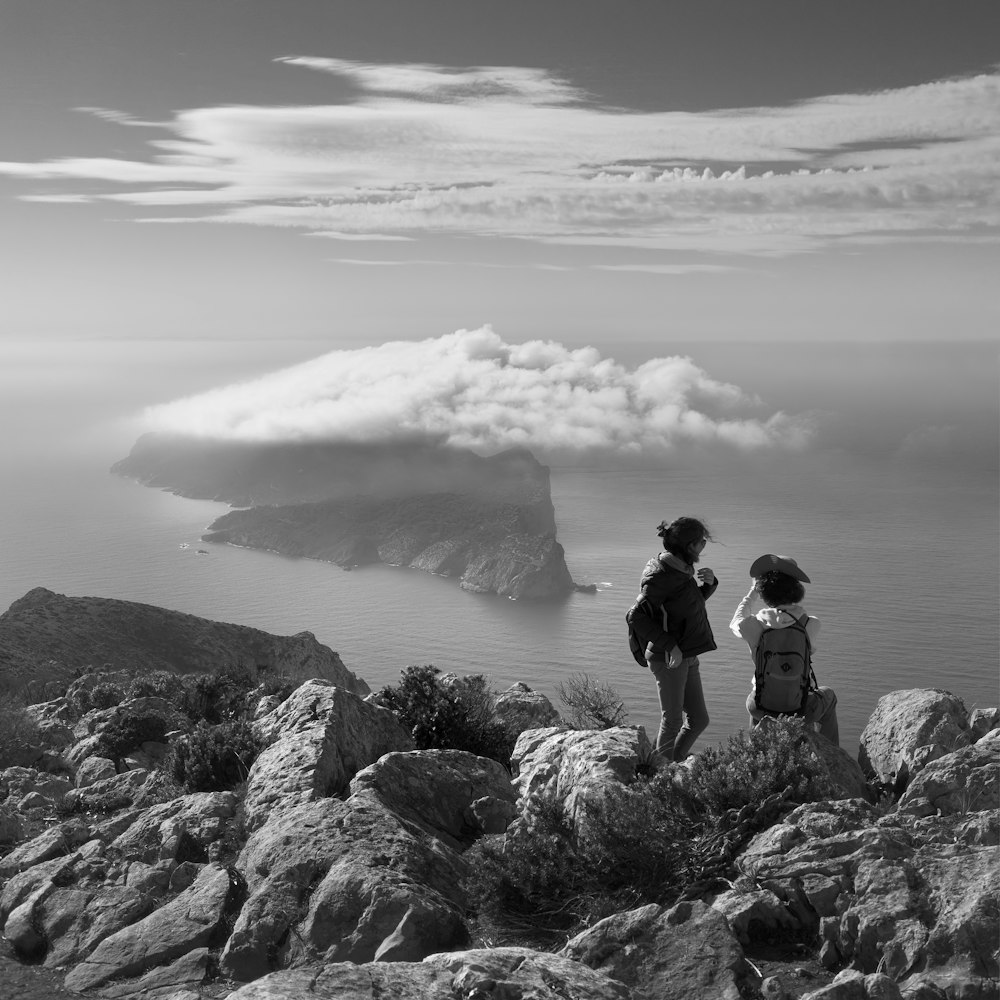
(821, 708)
(683, 716)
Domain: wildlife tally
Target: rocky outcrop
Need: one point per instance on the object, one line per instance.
(340, 872)
(501, 973)
(45, 635)
(910, 728)
(687, 952)
(319, 738)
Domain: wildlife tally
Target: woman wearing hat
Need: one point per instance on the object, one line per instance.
(678, 632)
(774, 602)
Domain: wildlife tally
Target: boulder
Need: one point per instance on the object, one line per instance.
(450, 794)
(178, 830)
(74, 921)
(574, 767)
(687, 952)
(910, 728)
(322, 736)
(966, 781)
(113, 791)
(521, 709)
(94, 769)
(55, 842)
(189, 922)
(168, 982)
(354, 881)
(497, 973)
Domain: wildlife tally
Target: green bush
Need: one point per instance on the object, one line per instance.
(213, 758)
(457, 716)
(157, 684)
(85, 698)
(754, 765)
(224, 696)
(128, 730)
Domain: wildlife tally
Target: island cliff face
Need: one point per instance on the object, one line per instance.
(489, 522)
(508, 549)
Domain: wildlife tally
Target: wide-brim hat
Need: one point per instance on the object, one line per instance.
(781, 564)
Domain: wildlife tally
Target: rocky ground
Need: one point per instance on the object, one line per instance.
(337, 872)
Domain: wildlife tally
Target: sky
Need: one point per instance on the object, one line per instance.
(587, 173)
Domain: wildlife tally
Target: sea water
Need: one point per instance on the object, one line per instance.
(903, 558)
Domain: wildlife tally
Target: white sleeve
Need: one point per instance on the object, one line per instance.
(812, 630)
(747, 608)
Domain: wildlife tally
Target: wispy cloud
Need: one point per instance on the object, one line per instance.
(519, 152)
(472, 389)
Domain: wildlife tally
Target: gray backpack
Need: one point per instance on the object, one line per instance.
(783, 668)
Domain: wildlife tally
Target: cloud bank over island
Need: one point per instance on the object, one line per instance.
(470, 389)
(412, 149)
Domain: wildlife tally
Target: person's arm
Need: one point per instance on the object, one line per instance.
(653, 632)
(745, 624)
(812, 630)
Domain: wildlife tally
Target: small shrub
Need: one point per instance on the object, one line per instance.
(213, 758)
(457, 716)
(18, 730)
(636, 846)
(224, 696)
(754, 765)
(649, 842)
(128, 730)
(592, 704)
(103, 694)
(158, 684)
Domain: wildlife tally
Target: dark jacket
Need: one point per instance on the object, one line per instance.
(676, 592)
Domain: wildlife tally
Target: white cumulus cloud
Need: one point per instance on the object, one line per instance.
(471, 389)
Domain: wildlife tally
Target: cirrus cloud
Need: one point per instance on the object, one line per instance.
(519, 152)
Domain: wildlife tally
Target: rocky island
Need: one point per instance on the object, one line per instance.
(488, 522)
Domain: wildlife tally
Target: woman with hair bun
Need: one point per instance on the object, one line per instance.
(678, 632)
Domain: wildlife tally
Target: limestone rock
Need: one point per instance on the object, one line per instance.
(687, 952)
(444, 792)
(111, 790)
(965, 781)
(94, 769)
(575, 766)
(497, 973)
(353, 879)
(74, 920)
(323, 735)
(55, 842)
(177, 829)
(893, 896)
(188, 922)
(168, 981)
(522, 709)
(910, 728)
